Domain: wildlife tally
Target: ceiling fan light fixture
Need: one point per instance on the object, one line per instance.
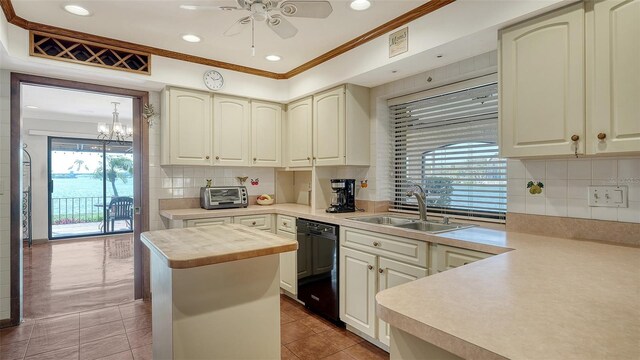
(273, 57)
(191, 38)
(77, 10)
(360, 5)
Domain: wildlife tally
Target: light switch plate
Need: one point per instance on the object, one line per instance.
(608, 196)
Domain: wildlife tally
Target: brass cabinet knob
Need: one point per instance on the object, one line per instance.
(217, 157)
(375, 243)
(255, 159)
(370, 267)
(285, 223)
(602, 136)
(253, 223)
(308, 158)
(575, 138)
(380, 270)
(207, 157)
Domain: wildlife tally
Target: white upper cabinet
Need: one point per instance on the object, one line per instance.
(266, 134)
(613, 76)
(299, 133)
(186, 127)
(231, 135)
(542, 102)
(341, 126)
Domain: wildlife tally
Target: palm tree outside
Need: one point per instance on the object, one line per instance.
(118, 168)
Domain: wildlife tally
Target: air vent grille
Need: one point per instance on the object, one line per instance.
(62, 48)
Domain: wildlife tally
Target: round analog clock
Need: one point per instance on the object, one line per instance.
(213, 80)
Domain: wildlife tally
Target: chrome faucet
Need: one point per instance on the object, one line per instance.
(421, 197)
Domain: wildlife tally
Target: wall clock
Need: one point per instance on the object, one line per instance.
(213, 80)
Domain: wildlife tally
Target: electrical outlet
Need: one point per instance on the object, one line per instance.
(608, 196)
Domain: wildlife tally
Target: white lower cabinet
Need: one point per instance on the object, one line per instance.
(378, 263)
(289, 260)
(393, 273)
(207, 222)
(449, 257)
(260, 222)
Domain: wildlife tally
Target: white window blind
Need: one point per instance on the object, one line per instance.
(448, 144)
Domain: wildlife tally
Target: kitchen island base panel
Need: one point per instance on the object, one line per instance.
(221, 311)
(405, 346)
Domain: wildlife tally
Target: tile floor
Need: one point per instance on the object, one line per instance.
(124, 332)
(67, 276)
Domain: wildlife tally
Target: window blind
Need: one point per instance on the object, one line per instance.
(447, 143)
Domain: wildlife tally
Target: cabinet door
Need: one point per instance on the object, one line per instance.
(392, 273)
(615, 89)
(450, 257)
(542, 85)
(231, 118)
(300, 133)
(288, 267)
(189, 127)
(329, 127)
(207, 222)
(266, 134)
(358, 290)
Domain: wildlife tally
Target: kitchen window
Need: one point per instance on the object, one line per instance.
(446, 140)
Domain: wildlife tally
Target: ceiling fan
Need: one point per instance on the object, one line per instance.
(273, 13)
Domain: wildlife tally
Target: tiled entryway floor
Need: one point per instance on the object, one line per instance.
(124, 332)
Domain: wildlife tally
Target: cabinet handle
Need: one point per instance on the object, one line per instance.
(370, 267)
(575, 138)
(217, 157)
(381, 270)
(207, 157)
(375, 243)
(253, 223)
(602, 136)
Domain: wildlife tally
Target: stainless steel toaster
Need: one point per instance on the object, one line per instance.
(223, 197)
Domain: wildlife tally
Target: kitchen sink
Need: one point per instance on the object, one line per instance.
(432, 227)
(412, 224)
(385, 220)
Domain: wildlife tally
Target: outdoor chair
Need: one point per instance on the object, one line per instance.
(120, 208)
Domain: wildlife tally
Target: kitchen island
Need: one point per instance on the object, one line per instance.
(215, 292)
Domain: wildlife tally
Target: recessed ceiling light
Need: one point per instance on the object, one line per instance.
(360, 5)
(188, 7)
(191, 38)
(77, 10)
(273, 57)
(31, 107)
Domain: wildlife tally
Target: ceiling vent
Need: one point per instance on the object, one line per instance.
(63, 48)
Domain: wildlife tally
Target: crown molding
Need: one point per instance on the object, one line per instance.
(422, 10)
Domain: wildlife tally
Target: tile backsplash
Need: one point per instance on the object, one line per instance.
(566, 183)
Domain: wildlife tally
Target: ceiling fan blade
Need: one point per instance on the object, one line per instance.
(238, 26)
(209, 7)
(306, 9)
(282, 26)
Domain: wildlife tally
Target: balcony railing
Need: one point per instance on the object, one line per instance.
(77, 210)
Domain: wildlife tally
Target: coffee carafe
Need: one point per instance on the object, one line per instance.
(343, 196)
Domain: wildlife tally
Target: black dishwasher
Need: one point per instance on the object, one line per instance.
(318, 268)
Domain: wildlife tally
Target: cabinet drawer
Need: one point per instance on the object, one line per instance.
(286, 223)
(206, 222)
(409, 251)
(261, 222)
(452, 257)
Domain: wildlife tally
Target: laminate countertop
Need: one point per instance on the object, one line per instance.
(214, 244)
(540, 297)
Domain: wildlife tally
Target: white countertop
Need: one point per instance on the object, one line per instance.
(540, 298)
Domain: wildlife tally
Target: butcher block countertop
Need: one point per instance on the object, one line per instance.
(539, 297)
(207, 245)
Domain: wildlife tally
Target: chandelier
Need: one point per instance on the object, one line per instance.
(117, 132)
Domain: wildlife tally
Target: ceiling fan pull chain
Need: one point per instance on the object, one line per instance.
(253, 37)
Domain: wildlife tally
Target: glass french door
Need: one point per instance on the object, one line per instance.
(90, 188)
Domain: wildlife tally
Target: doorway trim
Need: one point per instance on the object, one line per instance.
(141, 179)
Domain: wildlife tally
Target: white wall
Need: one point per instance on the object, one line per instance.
(5, 199)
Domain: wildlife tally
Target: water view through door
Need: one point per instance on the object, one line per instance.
(90, 188)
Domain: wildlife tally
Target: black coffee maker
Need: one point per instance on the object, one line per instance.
(343, 198)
